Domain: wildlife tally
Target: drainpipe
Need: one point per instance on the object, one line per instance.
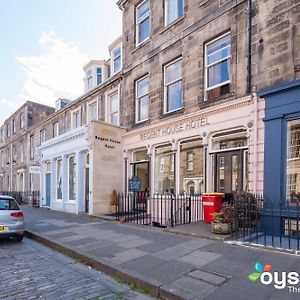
(255, 139)
(249, 74)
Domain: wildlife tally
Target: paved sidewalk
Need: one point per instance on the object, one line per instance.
(169, 266)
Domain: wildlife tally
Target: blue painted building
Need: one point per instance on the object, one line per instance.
(282, 156)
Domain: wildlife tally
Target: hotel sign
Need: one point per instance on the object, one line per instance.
(34, 170)
(108, 142)
(174, 128)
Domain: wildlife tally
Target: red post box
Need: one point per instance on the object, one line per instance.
(211, 203)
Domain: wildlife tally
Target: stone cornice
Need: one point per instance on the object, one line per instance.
(203, 113)
(70, 135)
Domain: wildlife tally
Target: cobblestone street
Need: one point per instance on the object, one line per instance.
(29, 270)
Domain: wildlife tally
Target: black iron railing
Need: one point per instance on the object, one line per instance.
(31, 198)
(159, 210)
(260, 222)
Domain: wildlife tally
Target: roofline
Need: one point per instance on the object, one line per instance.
(79, 99)
(22, 106)
(120, 3)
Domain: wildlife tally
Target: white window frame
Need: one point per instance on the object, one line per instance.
(190, 161)
(113, 58)
(89, 112)
(97, 74)
(14, 126)
(228, 57)
(172, 82)
(162, 164)
(56, 189)
(139, 21)
(89, 79)
(22, 151)
(22, 125)
(69, 158)
(8, 130)
(31, 142)
(137, 100)
(74, 112)
(55, 129)
(42, 136)
(166, 13)
(108, 112)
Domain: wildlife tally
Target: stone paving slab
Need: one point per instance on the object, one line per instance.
(169, 265)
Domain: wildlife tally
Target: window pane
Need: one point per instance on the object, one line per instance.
(173, 72)
(93, 114)
(59, 180)
(191, 167)
(72, 178)
(234, 174)
(116, 52)
(99, 79)
(221, 172)
(219, 44)
(114, 103)
(143, 108)
(218, 55)
(164, 177)
(117, 64)
(114, 119)
(174, 96)
(174, 10)
(143, 10)
(142, 87)
(293, 162)
(144, 30)
(218, 73)
(90, 83)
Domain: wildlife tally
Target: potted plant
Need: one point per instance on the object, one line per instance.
(223, 221)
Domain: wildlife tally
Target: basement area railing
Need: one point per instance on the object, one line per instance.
(31, 198)
(158, 210)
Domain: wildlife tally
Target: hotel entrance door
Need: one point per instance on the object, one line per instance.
(141, 170)
(229, 171)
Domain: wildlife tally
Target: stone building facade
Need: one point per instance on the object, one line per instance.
(195, 97)
(188, 61)
(17, 153)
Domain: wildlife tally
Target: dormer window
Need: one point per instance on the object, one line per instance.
(99, 76)
(89, 75)
(116, 61)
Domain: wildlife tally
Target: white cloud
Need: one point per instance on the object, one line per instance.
(55, 73)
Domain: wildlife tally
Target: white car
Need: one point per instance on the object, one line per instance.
(11, 219)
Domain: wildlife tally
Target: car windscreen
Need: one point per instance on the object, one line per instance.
(8, 204)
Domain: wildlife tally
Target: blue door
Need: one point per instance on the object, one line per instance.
(48, 189)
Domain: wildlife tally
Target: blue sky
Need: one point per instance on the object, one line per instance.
(45, 43)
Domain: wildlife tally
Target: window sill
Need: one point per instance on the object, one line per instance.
(174, 23)
(141, 123)
(172, 113)
(71, 202)
(141, 45)
(207, 103)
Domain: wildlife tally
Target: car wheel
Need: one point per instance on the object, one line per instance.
(19, 238)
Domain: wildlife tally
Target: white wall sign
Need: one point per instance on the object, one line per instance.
(34, 170)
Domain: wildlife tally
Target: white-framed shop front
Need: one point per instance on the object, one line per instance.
(207, 151)
(63, 164)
